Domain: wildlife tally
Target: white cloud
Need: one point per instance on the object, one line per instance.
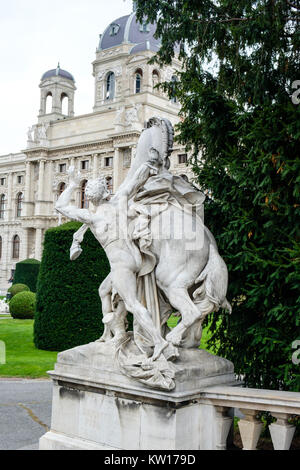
(34, 36)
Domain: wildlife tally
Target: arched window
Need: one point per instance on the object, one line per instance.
(155, 80)
(110, 86)
(19, 204)
(138, 80)
(144, 27)
(185, 178)
(84, 203)
(109, 181)
(114, 29)
(174, 80)
(16, 247)
(64, 104)
(61, 188)
(2, 206)
(0, 247)
(49, 103)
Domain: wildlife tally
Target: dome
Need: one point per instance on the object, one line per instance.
(58, 72)
(127, 30)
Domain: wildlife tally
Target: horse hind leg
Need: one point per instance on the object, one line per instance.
(181, 301)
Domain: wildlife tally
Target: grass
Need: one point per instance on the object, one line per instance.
(22, 357)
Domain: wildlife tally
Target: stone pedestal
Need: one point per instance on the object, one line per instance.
(96, 407)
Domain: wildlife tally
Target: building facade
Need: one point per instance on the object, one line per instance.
(100, 143)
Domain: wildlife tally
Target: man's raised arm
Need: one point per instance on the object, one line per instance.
(63, 202)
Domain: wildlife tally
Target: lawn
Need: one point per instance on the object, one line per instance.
(22, 358)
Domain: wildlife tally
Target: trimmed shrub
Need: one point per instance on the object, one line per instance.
(16, 288)
(68, 311)
(27, 272)
(22, 305)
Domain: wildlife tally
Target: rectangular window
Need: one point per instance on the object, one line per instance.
(182, 158)
(2, 181)
(85, 165)
(62, 168)
(20, 179)
(108, 161)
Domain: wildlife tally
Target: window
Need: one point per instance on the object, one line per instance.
(155, 80)
(138, 80)
(185, 178)
(61, 188)
(62, 167)
(49, 103)
(108, 161)
(174, 80)
(84, 203)
(114, 29)
(2, 206)
(20, 179)
(2, 181)
(85, 165)
(110, 86)
(145, 28)
(109, 184)
(182, 158)
(16, 247)
(0, 247)
(64, 104)
(19, 204)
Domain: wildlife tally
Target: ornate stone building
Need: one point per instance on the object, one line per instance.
(102, 142)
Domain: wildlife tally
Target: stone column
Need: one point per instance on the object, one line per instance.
(282, 432)
(95, 166)
(10, 201)
(223, 425)
(38, 243)
(27, 195)
(24, 245)
(250, 428)
(41, 180)
(118, 169)
(71, 107)
(56, 102)
(40, 192)
(43, 104)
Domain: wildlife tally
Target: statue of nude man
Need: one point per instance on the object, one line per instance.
(109, 225)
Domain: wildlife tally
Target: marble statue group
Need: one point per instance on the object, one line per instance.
(163, 259)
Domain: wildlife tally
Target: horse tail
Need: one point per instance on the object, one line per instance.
(214, 279)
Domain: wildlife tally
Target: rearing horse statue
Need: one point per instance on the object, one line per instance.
(162, 257)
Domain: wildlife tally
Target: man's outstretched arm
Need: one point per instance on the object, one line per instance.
(63, 202)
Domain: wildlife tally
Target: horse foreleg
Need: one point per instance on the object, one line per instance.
(190, 313)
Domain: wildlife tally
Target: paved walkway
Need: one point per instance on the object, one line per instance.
(25, 412)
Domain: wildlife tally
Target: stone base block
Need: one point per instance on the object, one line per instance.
(96, 407)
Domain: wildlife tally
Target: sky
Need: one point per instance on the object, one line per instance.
(37, 34)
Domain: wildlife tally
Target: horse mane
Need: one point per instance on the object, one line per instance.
(167, 133)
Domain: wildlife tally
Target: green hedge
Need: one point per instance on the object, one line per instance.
(16, 288)
(27, 272)
(22, 305)
(68, 311)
